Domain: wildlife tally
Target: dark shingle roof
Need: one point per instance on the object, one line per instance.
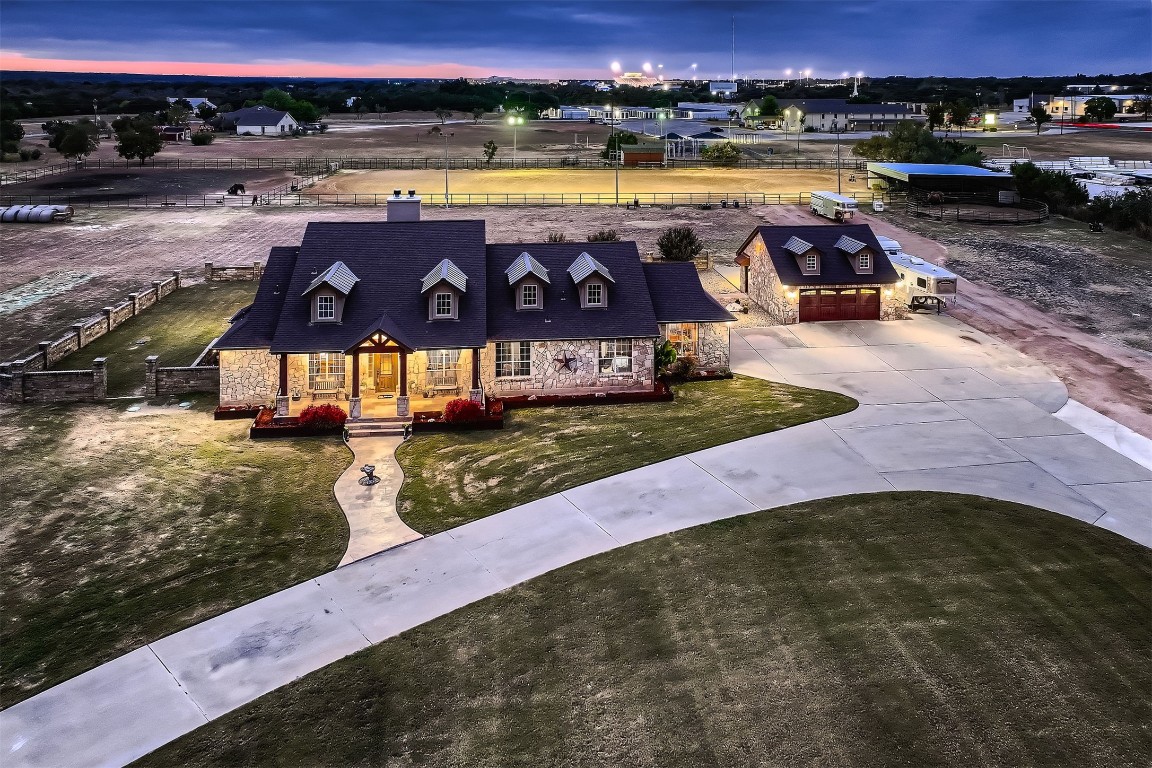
(391, 259)
(628, 313)
(254, 328)
(835, 266)
(678, 296)
(258, 115)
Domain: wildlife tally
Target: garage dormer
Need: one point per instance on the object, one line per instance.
(527, 277)
(592, 279)
(859, 254)
(444, 286)
(806, 255)
(327, 293)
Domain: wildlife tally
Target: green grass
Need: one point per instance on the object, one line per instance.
(120, 530)
(896, 629)
(453, 478)
(177, 329)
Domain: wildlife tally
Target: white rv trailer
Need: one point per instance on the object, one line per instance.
(833, 206)
(919, 277)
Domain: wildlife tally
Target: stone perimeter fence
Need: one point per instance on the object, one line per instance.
(28, 379)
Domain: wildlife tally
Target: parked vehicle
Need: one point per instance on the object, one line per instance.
(833, 206)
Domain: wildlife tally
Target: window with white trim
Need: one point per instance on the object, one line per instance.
(615, 356)
(513, 358)
(865, 261)
(530, 296)
(442, 306)
(594, 294)
(442, 367)
(810, 262)
(683, 337)
(325, 366)
(325, 307)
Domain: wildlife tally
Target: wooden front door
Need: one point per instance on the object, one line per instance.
(385, 370)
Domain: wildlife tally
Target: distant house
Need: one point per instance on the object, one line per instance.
(259, 121)
(831, 115)
(174, 133)
(195, 102)
(400, 315)
(801, 274)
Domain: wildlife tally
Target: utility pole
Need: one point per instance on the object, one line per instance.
(733, 49)
(447, 203)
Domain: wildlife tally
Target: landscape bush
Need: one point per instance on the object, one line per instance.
(326, 416)
(557, 237)
(679, 244)
(722, 154)
(460, 410)
(203, 138)
(604, 236)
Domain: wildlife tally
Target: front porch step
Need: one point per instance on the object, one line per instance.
(379, 420)
(380, 432)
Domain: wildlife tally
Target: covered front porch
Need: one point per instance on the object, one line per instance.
(378, 378)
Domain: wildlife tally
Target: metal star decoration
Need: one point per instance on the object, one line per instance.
(565, 360)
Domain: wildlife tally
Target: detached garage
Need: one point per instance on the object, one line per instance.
(819, 273)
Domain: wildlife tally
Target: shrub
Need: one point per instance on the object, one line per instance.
(326, 416)
(665, 356)
(25, 154)
(460, 410)
(723, 154)
(203, 138)
(36, 153)
(604, 236)
(557, 237)
(679, 244)
(683, 367)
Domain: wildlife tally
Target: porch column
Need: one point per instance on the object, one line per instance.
(402, 408)
(282, 392)
(354, 401)
(477, 394)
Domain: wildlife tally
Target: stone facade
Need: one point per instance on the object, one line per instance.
(248, 376)
(782, 304)
(182, 380)
(548, 375)
(712, 344)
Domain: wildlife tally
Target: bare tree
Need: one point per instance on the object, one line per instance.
(443, 114)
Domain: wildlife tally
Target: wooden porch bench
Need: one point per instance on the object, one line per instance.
(327, 388)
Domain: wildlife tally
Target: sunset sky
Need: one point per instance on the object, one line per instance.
(448, 38)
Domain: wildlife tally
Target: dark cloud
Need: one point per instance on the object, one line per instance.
(941, 37)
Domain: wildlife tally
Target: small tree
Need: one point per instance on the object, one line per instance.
(203, 138)
(1142, 105)
(178, 113)
(936, 114)
(10, 134)
(1039, 116)
(604, 236)
(724, 154)
(206, 112)
(960, 113)
(477, 114)
(443, 114)
(490, 150)
(1100, 108)
(679, 244)
(138, 141)
(74, 141)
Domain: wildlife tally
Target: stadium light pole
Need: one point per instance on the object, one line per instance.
(514, 121)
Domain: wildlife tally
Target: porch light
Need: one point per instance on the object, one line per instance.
(887, 291)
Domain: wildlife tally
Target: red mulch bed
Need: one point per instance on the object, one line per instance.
(267, 425)
(227, 412)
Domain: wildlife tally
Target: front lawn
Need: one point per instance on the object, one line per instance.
(177, 329)
(453, 478)
(895, 629)
(119, 529)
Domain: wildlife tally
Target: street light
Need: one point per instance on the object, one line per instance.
(515, 121)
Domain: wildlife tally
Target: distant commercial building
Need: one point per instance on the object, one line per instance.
(831, 115)
(1073, 106)
(723, 89)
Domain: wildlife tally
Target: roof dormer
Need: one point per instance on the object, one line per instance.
(328, 292)
(527, 277)
(807, 256)
(591, 278)
(444, 286)
(859, 254)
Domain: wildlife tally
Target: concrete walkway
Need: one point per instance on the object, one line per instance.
(944, 408)
(373, 525)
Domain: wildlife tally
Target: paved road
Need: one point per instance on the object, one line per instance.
(944, 407)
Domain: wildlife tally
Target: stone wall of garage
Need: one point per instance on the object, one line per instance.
(248, 376)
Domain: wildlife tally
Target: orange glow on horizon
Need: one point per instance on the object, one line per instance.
(14, 61)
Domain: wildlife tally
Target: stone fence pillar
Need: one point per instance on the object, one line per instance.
(17, 370)
(156, 289)
(151, 363)
(176, 274)
(135, 299)
(43, 349)
(100, 378)
(257, 270)
(78, 329)
(208, 271)
(108, 317)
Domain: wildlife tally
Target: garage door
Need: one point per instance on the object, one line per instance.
(839, 304)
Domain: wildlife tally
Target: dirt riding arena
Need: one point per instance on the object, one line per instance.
(603, 182)
(112, 184)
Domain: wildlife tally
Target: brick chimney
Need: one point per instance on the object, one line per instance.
(403, 208)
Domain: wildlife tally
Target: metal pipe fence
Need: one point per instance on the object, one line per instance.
(297, 199)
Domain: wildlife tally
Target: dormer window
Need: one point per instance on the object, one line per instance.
(865, 261)
(443, 304)
(594, 294)
(325, 307)
(529, 296)
(810, 262)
